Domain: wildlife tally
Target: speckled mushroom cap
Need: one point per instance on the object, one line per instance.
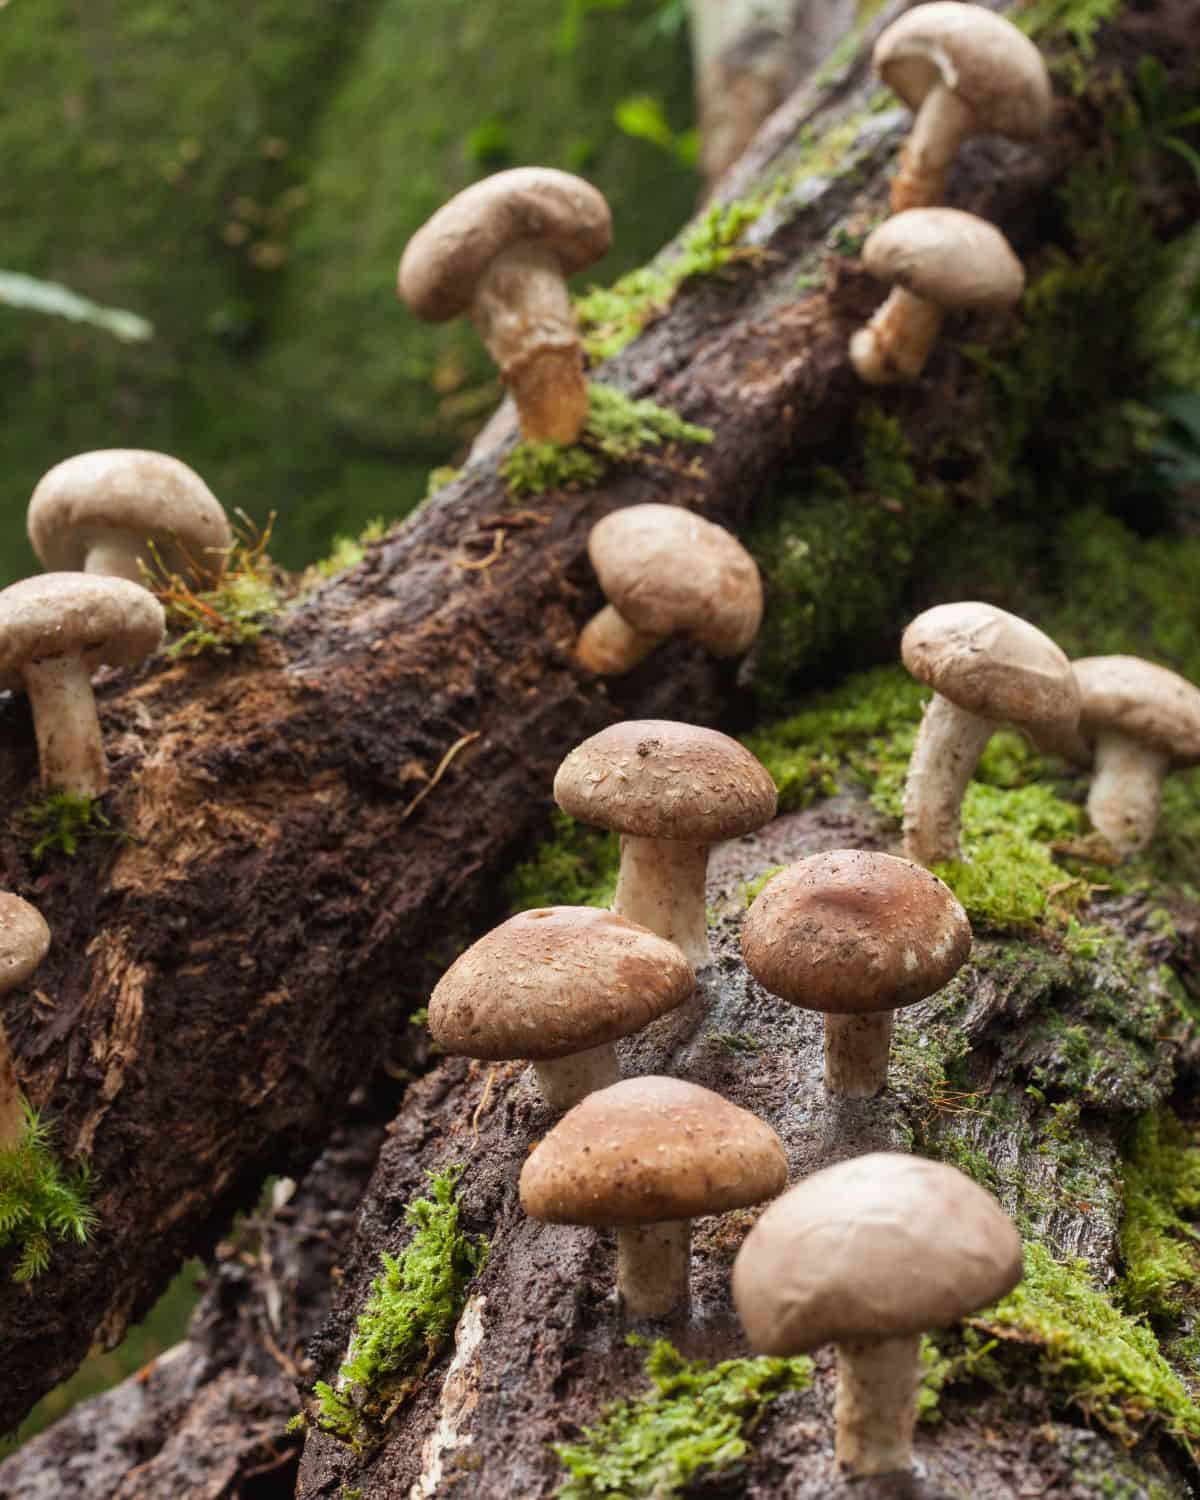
(669, 572)
(1137, 699)
(851, 932)
(107, 621)
(150, 495)
(24, 940)
(993, 664)
(648, 1150)
(994, 69)
(882, 1246)
(946, 257)
(555, 981)
(446, 257)
(654, 778)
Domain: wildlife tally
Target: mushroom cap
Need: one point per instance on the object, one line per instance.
(669, 572)
(656, 779)
(107, 621)
(446, 257)
(648, 1150)
(879, 1247)
(851, 932)
(947, 257)
(993, 664)
(24, 940)
(150, 495)
(555, 981)
(1135, 698)
(994, 69)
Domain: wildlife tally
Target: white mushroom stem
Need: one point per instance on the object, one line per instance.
(70, 748)
(12, 1109)
(609, 645)
(943, 122)
(114, 556)
(949, 744)
(653, 1267)
(857, 1049)
(897, 341)
(661, 884)
(524, 316)
(1126, 790)
(876, 1405)
(564, 1081)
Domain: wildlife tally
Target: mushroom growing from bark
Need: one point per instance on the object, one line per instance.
(502, 251)
(869, 1255)
(856, 935)
(936, 260)
(24, 939)
(965, 71)
(645, 1157)
(558, 985)
(55, 630)
(668, 572)
(670, 790)
(97, 513)
(986, 668)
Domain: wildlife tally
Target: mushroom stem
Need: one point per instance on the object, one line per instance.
(564, 1081)
(942, 124)
(1126, 790)
(876, 1405)
(525, 318)
(609, 645)
(949, 744)
(857, 1049)
(111, 557)
(897, 341)
(12, 1109)
(661, 884)
(653, 1267)
(70, 749)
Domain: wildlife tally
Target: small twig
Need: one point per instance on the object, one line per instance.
(482, 1105)
(442, 766)
(478, 564)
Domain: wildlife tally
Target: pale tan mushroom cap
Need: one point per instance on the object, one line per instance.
(994, 69)
(555, 981)
(446, 257)
(946, 257)
(993, 664)
(851, 932)
(24, 940)
(1137, 699)
(107, 621)
(648, 1150)
(883, 1246)
(669, 572)
(150, 495)
(654, 778)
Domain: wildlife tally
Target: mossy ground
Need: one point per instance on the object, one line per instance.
(39, 1202)
(60, 822)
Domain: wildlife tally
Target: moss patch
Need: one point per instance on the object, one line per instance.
(1158, 1243)
(39, 1203)
(575, 865)
(59, 822)
(224, 602)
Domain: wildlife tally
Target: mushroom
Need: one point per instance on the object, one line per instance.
(965, 71)
(668, 572)
(856, 935)
(558, 985)
(936, 260)
(97, 513)
(502, 250)
(986, 668)
(24, 939)
(54, 631)
(645, 1157)
(869, 1255)
(670, 790)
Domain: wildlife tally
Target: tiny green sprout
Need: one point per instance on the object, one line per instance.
(39, 1203)
(61, 821)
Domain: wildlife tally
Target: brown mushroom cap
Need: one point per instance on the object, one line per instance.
(107, 621)
(992, 664)
(1147, 703)
(851, 932)
(555, 981)
(446, 257)
(648, 1150)
(669, 572)
(150, 495)
(994, 69)
(882, 1246)
(24, 940)
(947, 257)
(654, 778)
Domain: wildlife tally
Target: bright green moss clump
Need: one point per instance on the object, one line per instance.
(61, 821)
(1158, 1244)
(573, 866)
(38, 1202)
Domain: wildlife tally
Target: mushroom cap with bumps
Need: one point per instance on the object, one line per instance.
(446, 257)
(555, 981)
(852, 932)
(649, 1150)
(946, 257)
(883, 1246)
(24, 940)
(106, 621)
(1139, 700)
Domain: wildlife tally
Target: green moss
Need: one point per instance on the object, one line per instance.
(348, 551)
(61, 821)
(575, 865)
(695, 1420)
(1158, 1244)
(39, 1203)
